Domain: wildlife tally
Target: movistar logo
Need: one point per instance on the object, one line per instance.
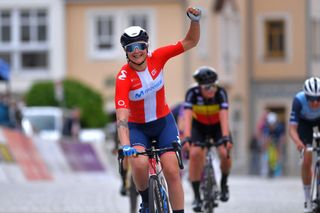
(141, 93)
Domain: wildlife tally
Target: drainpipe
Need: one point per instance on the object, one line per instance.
(308, 38)
(250, 39)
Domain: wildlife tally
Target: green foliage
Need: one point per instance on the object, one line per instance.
(41, 94)
(76, 94)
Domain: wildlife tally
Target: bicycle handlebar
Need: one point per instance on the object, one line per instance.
(152, 152)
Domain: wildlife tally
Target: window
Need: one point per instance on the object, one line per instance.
(32, 60)
(106, 27)
(5, 28)
(138, 20)
(105, 33)
(33, 26)
(316, 39)
(275, 39)
(24, 39)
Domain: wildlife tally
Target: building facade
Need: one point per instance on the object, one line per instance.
(262, 50)
(32, 41)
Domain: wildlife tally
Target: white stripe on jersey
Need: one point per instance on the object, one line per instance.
(148, 93)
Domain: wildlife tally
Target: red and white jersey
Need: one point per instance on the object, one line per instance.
(142, 92)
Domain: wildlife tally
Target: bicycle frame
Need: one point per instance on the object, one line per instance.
(158, 193)
(155, 172)
(315, 194)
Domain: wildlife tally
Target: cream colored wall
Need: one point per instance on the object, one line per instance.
(239, 92)
(294, 67)
(237, 84)
(170, 27)
(79, 66)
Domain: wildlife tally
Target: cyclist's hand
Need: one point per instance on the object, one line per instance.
(128, 150)
(194, 14)
(186, 142)
(229, 145)
(300, 146)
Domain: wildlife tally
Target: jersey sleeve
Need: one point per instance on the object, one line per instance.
(122, 89)
(295, 111)
(189, 99)
(223, 98)
(163, 54)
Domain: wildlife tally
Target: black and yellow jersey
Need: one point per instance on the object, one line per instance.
(206, 111)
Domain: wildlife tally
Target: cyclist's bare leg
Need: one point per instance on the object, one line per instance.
(140, 171)
(225, 165)
(306, 168)
(172, 174)
(196, 162)
(225, 159)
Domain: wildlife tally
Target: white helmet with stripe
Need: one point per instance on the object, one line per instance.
(312, 86)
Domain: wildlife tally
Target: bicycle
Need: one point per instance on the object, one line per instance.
(273, 156)
(315, 183)
(209, 188)
(158, 193)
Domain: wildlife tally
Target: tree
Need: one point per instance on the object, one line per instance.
(76, 94)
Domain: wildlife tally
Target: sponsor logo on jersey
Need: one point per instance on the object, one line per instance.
(123, 75)
(141, 93)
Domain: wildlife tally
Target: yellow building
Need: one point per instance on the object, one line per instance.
(263, 50)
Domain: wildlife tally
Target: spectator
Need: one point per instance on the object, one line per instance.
(72, 125)
(5, 112)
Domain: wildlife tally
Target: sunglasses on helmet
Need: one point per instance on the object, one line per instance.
(313, 98)
(139, 45)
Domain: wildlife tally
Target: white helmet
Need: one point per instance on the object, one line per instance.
(133, 34)
(272, 118)
(312, 86)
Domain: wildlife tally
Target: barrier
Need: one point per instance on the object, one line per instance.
(54, 157)
(26, 155)
(101, 151)
(23, 158)
(9, 169)
(81, 156)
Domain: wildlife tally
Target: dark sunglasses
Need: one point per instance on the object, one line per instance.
(208, 86)
(131, 47)
(313, 98)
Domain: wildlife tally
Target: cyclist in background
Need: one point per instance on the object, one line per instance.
(305, 114)
(272, 139)
(143, 114)
(206, 114)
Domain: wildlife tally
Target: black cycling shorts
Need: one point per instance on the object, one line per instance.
(201, 132)
(305, 130)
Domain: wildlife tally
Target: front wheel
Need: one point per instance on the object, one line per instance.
(209, 189)
(158, 199)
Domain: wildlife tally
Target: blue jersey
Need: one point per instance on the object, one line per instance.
(301, 110)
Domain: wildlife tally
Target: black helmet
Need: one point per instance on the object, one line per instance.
(205, 75)
(133, 34)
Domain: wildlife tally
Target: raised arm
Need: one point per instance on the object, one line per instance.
(193, 34)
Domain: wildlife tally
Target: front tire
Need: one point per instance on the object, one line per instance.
(158, 200)
(208, 186)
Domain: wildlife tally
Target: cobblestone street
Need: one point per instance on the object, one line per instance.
(100, 194)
